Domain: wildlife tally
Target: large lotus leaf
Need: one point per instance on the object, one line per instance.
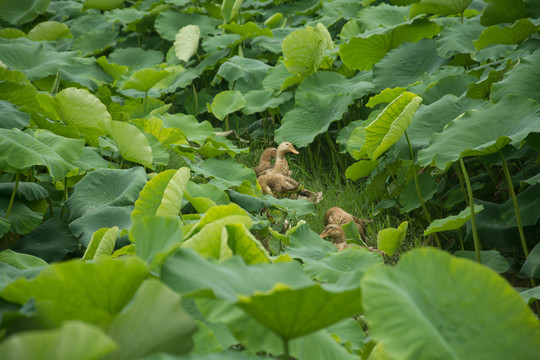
(154, 322)
(483, 132)
(292, 313)
(211, 241)
(333, 83)
(243, 243)
(22, 218)
(243, 74)
(452, 222)
(226, 280)
(95, 41)
(91, 159)
(530, 295)
(164, 135)
(28, 190)
(223, 214)
(162, 196)
(186, 42)
(528, 201)
(227, 102)
(76, 107)
(522, 79)
(145, 79)
(409, 197)
(94, 292)
(224, 355)
(17, 89)
(106, 187)
(431, 303)
(196, 191)
(86, 72)
(482, 89)
(114, 70)
(225, 173)
(439, 7)
(256, 337)
(20, 12)
(15, 265)
(503, 11)
(364, 50)
(390, 124)
(351, 262)
(49, 31)
(104, 217)
(454, 84)
(195, 131)
(102, 243)
(407, 64)
(492, 259)
(389, 240)
(102, 4)
(124, 16)
(260, 100)
(458, 38)
(155, 237)
(360, 169)
(34, 59)
(131, 142)
(51, 241)
(135, 57)
(372, 17)
(74, 340)
(514, 34)
(307, 245)
(312, 116)
(292, 207)
(169, 22)
(230, 8)
(531, 267)
(247, 30)
(303, 50)
(22, 150)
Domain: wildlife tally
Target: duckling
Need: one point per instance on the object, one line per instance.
(282, 166)
(264, 163)
(273, 183)
(339, 239)
(336, 215)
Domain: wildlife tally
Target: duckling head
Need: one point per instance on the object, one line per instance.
(286, 147)
(334, 232)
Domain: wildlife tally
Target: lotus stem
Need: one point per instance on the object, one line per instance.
(477, 245)
(195, 100)
(516, 209)
(331, 147)
(286, 355)
(419, 192)
(12, 200)
(462, 187)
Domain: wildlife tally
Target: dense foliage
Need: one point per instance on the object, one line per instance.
(131, 227)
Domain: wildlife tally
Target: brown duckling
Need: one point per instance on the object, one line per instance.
(282, 166)
(273, 183)
(264, 163)
(339, 239)
(339, 216)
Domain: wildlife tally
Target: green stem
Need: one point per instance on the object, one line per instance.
(462, 187)
(227, 123)
(195, 100)
(64, 198)
(461, 240)
(286, 355)
(331, 147)
(12, 200)
(419, 192)
(516, 209)
(477, 245)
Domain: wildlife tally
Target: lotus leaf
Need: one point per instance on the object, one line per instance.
(304, 50)
(86, 72)
(514, 34)
(195, 131)
(385, 96)
(155, 237)
(29, 191)
(247, 30)
(225, 173)
(107, 216)
(186, 42)
(74, 340)
(409, 197)
(439, 7)
(360, 169)
(15, 265)
(381, 15)
(530, 295)
(95, 41)
(135, 57)
(114, 70)
(17, 89)
(131, 142)
(227, 102)
(124, 16)
(75, 290)
(503, 11)
(528, 201)
(260, 100)
(363, 51)
(102, 243)
(492, 259)
(458, 38)
(169, 22)
(20, 12)
(522, 80)
(102, 4)
(483, 132)
(531, 267)
(49, 31)
(452, 222)
(307, 245)
(229, 9)
(428, 288)
(482, 88)
(243, 74)
(389, 240)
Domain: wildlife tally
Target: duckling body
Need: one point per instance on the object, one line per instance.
(336, 233)
(340, 217)
(282, 166)
(273, 183)
(264, 163)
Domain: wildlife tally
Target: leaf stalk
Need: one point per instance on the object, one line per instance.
(477, 245)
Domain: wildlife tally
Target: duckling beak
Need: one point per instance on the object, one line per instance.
(293, 150)
(324, 233)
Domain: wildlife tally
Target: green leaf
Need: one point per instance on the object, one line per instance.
(452, 222)
(114, 70)
(439, 7)
(307, 245)
(259, 100)
(390, 125)
(145, 79)
(503, 11)
(106, 187)
(360, 169)
(131, 142)
(21, 150)
(224, 215)
(28, 190)
(157, 308)
(304, 50)
(482, 89)
(243, 243)
(381, 15)
(78, 108)
(22, 218)
(227, 102)
(521, 80)
(95, 41)
(225, 173)
(409, 197)
(162, 196)
(417, 310)
(389, 240)
(528, 200)
(102, 4)
(385, 96)
(365, 50)
(487, 131)
(530, 295)
(17, 89)
(186, 42)
(169, 22)
(135, 57)
(229, 9)
(531, 267)
(492, 259)
(49, 31)
(155, 237)
(35, 59)
(20, 12)
(74, 340)
(514, 34)
(76, 290)
(243, 74)
(11, 117)
(102, 243)
(458, 38)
